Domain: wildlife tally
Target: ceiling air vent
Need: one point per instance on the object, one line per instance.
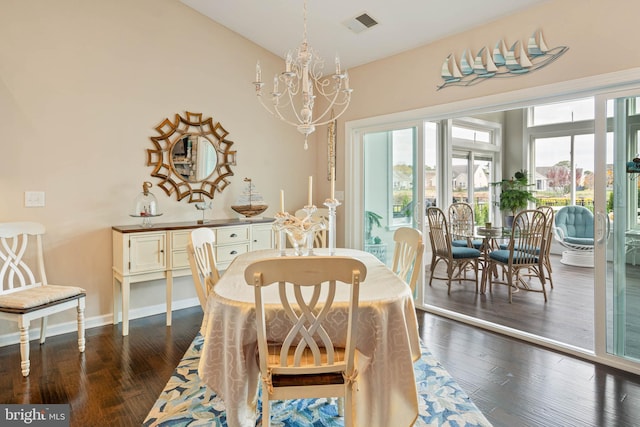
(361, 23)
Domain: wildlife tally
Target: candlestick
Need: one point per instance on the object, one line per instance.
(333, 183)
(281, 200)
(310, 190)
(332, 204)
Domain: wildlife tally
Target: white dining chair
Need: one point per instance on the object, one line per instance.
(202, 259)
(306, 363)
(25, 293)
(407, 255)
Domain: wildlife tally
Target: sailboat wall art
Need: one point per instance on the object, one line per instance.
(517, 60)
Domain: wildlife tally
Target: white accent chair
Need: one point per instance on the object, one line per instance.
(407, 255)
(202, 259)
(307, 363)
(25, 294)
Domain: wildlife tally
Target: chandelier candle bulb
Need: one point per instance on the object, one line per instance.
(258, 73)
(310, 190)
(337, 65)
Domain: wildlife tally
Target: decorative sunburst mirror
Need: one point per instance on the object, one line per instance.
(191, 156)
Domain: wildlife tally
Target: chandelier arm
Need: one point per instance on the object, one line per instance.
(293, 109)
(332, 104)
(276, 113)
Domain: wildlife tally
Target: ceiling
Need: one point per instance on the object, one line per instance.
(277, 25)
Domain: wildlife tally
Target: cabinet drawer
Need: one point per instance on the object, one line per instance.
(179, 240)
(179, 259)
(226, 235)
(229, 252)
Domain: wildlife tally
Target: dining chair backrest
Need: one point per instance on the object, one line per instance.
(438, 232)
(461, 221)
(25, 293)
(202, 260)
(307, 363)
(407, 255)
(528, 237)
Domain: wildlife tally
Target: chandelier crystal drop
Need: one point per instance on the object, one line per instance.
(296, 88)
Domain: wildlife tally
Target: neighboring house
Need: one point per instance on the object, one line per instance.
(402, 181)
(460, 179)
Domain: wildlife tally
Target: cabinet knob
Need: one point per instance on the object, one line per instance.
(233, 235)
(233, 252)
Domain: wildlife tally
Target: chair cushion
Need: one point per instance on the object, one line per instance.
(579, 241)
(502, 255)
(505, 246)
(460, 253)
(461, 243)
(38, 296)
(575, 221)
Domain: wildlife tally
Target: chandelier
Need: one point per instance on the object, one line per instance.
(296, 88)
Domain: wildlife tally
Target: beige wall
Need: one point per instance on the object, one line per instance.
(83, 84)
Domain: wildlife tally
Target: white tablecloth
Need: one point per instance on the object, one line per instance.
(388, 341)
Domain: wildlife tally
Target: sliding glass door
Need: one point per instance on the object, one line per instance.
(618, 216)
(391, 184)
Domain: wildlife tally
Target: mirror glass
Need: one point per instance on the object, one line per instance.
(192, 157)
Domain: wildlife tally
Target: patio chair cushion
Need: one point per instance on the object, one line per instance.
(579, 240)
(502, 255)
(459, 252)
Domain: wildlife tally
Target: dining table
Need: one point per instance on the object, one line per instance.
(388, 342)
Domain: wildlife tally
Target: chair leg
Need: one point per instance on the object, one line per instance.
(43, 329)
(340, 404)
(348, 403)
(25, 364)
(266, 416)
(81, 340)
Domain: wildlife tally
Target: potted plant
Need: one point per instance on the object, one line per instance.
(371, 219)
(515, 194)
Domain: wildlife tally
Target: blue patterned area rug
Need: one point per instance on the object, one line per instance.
(184, 401)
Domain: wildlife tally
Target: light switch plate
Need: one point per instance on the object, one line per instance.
(34, 199)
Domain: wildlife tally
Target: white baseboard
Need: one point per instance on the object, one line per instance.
(93, 322)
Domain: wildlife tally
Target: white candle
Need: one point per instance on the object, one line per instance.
(282, 201)
(333, 183)
(310, 189)
(258, 72)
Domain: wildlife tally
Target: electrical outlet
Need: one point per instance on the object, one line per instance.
(34, 199)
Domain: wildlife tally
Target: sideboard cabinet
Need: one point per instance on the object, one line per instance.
(160, 252)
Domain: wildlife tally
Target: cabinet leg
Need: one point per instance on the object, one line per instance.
(125, 306)
(169, 296)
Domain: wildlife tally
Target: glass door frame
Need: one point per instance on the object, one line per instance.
(354, 188)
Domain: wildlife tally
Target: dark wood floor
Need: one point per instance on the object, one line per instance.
(118, 379)
(567, 316)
